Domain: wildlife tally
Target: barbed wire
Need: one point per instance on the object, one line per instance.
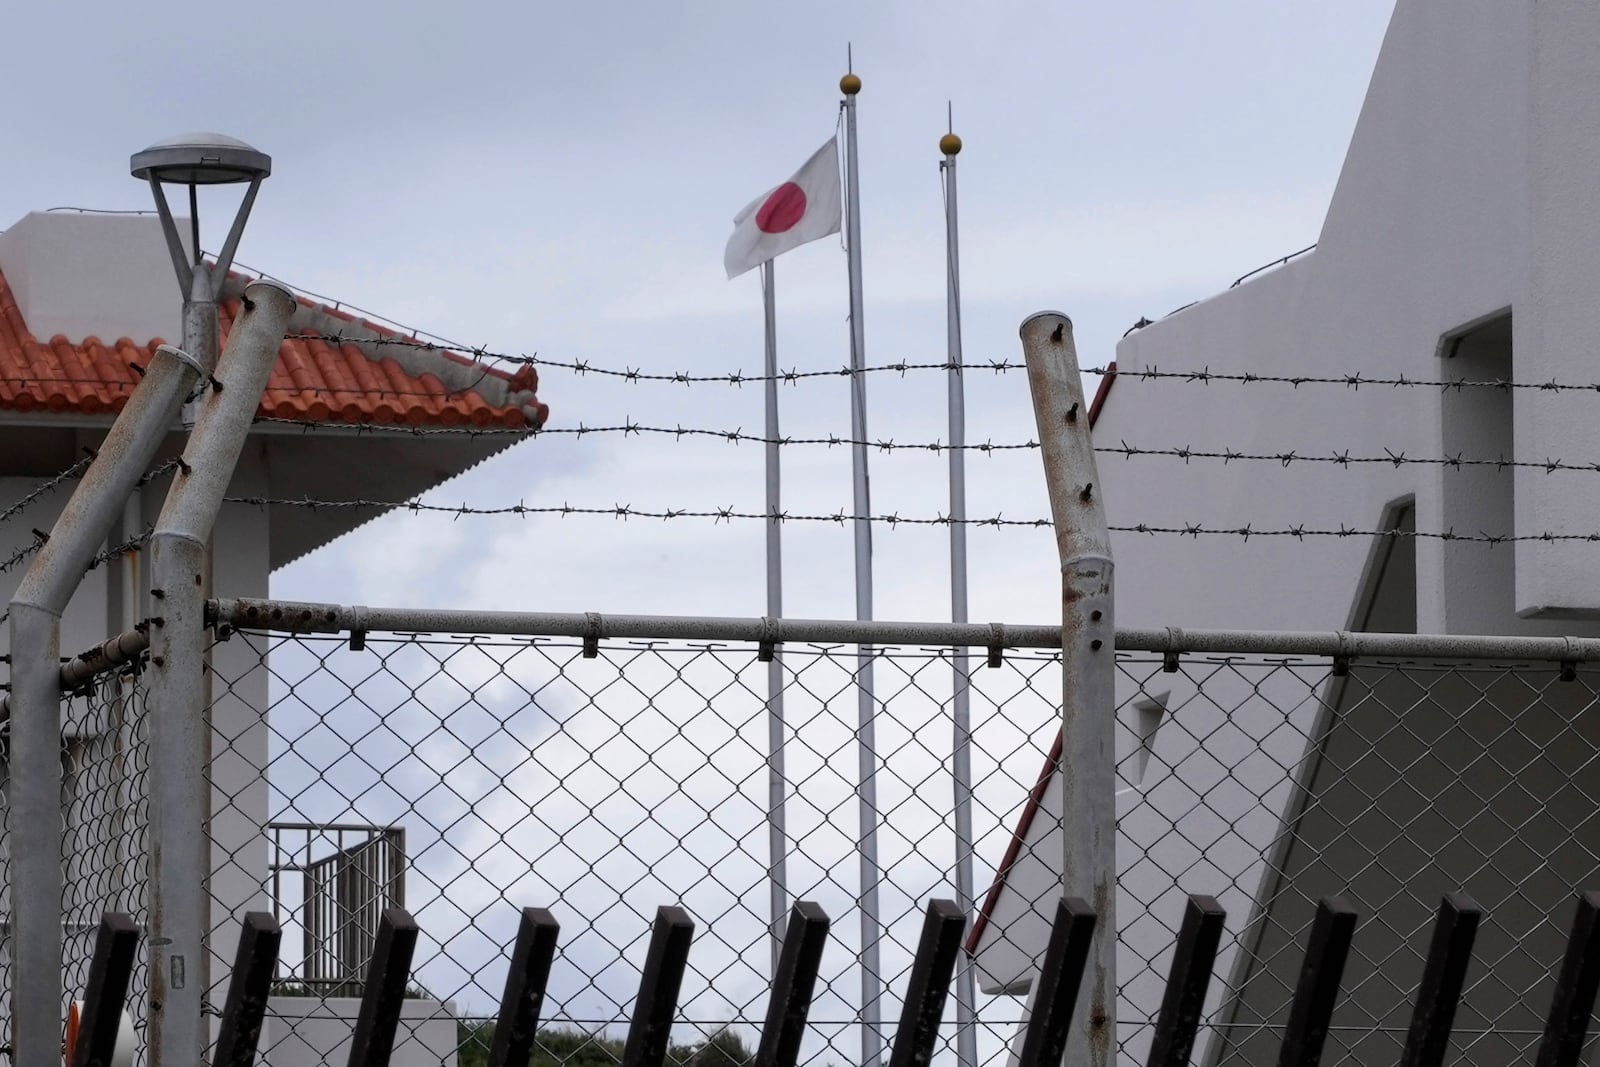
(1204, 376)
(27, 551)
(1350, 380)
(45, 487)
(40, 536)
(1390, 457)
(628, 511)
(637, 374)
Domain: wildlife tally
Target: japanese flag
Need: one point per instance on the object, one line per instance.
(802, 209)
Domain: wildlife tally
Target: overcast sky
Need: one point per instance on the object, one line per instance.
(560, 179)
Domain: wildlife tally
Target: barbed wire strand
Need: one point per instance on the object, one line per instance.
(627, 511)
(45, 487)
(1204, 376)
(40, 537)
(1390, 457)
(110, 553)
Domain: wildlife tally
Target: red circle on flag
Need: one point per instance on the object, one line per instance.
(782, 210)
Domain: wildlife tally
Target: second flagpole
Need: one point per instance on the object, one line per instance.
(960, 697)
(866, 743)
(777, 838)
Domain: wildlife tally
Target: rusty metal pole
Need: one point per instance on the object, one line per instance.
(179, 796)
(1088, 669)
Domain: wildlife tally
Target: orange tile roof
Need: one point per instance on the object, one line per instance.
(314, 379)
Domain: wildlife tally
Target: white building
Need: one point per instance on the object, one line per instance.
(81, 298)
(1462, 243)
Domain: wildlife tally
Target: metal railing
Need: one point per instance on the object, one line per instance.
(347, 875)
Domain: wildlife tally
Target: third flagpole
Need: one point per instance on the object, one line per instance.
(960, 697)
(867, 787)
(777, 840)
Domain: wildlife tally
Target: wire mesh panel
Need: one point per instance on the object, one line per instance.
(603, 781)
(525, 772)
(105, 824)
(1273, 784)
(468, 776)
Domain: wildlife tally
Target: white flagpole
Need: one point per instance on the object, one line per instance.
(960, 699)
(777, 840)
(867, 787)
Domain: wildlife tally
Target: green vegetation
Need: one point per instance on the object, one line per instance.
(567, 1047)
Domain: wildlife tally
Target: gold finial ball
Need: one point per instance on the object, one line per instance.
(949, 144)
(850, 84)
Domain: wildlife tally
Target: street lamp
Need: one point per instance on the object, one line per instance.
(178, 797)
(196, 159)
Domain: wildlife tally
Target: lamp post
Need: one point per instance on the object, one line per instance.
(180, 566)
(193, 160)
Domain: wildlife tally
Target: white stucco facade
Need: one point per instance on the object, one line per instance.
(1462, 243)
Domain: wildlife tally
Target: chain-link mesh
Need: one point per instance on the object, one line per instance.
(470, 776)
(525, 773)
(464, 777)
(105, 825)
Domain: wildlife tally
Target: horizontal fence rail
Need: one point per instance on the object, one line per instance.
(305, 617)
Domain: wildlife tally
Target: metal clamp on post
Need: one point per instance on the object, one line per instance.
(1174, 650)
(767, 647)
(997, 644)
(358, 629)
(591, 640)
(1342, 658)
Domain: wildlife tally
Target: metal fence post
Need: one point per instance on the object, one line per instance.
(1088, 668)
(35, 703)
(179, 863)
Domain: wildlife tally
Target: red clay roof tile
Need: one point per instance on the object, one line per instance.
(313, 379)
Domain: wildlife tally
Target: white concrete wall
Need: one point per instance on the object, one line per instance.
(307, 1032)
(1558, 315)
(1421, 240)
(87, 616)
(105, 276)
(1467, 193)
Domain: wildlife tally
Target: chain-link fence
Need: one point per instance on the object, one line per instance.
(469, 774)
(105, 842)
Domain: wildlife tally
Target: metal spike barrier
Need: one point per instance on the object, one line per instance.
(1318, 989)
(385, 990)
(792, 988)
(931, 972)
(1442, 979)
(658, 989)
(116, 945)
(1059, 980)
(1044, 1039)
(260, 937)
(1572, 1007)
(526, 979)
(1187, 981)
